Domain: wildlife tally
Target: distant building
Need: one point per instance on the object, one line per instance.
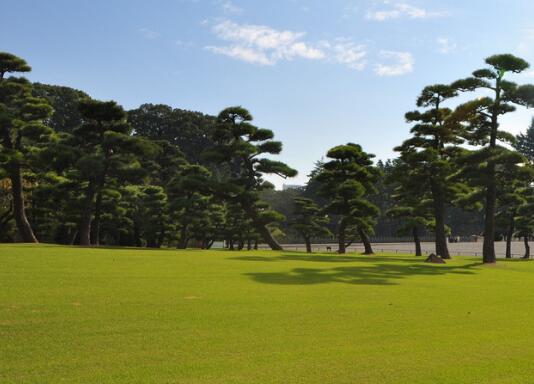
(285, 187)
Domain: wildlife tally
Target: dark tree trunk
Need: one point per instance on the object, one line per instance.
(261, 228)
(240, 245)
(161, 236)
(87, 216)
(137, 235)
(210, 244)
(256, 245)
(417, 241)
(442, 249)
(488, 248)
(249, 244)
(74, 237)
(510, 235)
(95, 225)
(341, 236)
(368, 249)
(183, 237)
(19, 211)
(527, 248)
(231, 245)
(307, 240)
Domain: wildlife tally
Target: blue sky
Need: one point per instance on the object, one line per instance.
(318, 73)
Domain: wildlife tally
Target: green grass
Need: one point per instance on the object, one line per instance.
(137, 316)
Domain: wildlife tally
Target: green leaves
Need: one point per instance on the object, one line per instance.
(10, 63)
(507, 63)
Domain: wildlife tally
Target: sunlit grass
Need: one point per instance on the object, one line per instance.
(79, 315)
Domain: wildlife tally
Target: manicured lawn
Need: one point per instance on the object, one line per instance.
(138, 316)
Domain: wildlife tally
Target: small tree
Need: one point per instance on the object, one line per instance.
(412, 203)
(22, 133)
(347, 180)
(309, 221)
(482, 116)
(240, 145)
(524, 143)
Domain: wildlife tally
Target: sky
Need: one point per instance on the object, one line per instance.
(318, 73)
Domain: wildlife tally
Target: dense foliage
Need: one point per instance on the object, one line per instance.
(74, 170)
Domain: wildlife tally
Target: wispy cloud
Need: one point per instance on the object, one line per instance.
(396, 10)
(266, 46)
(262, 45)
(400, 63)
(446, 45)
(149, 34)
(230, 8)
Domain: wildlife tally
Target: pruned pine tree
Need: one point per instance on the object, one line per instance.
(22, 134)
(429, 155)
(347, 180)
(241, 146)
(524, 143)
(309, 220)
(481, 117)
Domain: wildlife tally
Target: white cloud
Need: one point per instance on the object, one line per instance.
(401, 63)
(230, 8)
(398, 10)
(446, 45)
(261, 44)
(149, 34)
(348, 53)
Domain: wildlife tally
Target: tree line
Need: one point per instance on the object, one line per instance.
(74, 170)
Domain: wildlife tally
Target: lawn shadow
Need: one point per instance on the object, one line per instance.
(383, 271)
(334, 258)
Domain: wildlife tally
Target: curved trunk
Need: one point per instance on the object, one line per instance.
(417, 241)
(368, 249)
(527, 248)
(19, 211)
(261, 228)
(509, 235)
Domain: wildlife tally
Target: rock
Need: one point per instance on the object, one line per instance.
(434, 259)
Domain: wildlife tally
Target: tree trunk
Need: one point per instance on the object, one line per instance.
(417, 241)
(256, 245)
(137, 235)
(95, 225)
(249, 244)
(341, 236)
(308, 244)
(183, 237)
(231, 247)
(366, 242)
(510, 235)
(488, 248)
(87, 216)
(527, 248)
(261, 228)
(439, 214)
(19, 211)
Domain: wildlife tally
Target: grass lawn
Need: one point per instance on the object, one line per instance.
(140, 316)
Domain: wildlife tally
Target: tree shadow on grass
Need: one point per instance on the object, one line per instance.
(327, 258)
(379, 273)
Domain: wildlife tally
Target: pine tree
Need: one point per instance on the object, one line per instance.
(309, 221)
(346, 181)
(525, 143)
(482, 117)
(430, 155)
(22, 134)
(240, 145)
